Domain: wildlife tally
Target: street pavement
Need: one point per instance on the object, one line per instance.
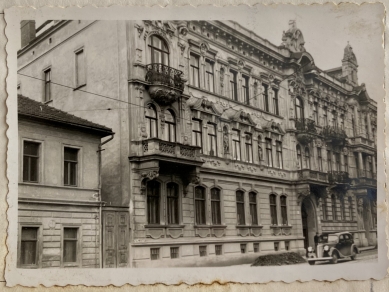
(368, 256)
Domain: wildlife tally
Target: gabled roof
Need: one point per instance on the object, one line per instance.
(36, 110)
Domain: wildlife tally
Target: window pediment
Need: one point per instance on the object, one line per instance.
(203, 105)
(272, 126)
(242, 117)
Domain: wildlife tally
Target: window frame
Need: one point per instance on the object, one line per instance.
(194, 71)
(307, 156)
(246, 89)
(203, 214)
(197, 134)
(253, 206)
(38, 163)
(265, 97)
(329, 161)
(158, 254)
(249, 147)
(299, 108)
(324, 210)
(240, 208)
(320, 159)
(279, 158)
(350, 208)
(77, 166)
(78, 79)
(170, 133)
(47, 85)
(177, 204)
(236, 147)
(156, 203)
(273, 210)
(210, 75)
(212, 138)
(269, 151)
(178, 252)
(276, 109)
(216, 217)
(153, 48)
(334, 208)
(233, 81)
(77, 263)
(39, 246)
(284, 210)
(149, 124)
(299, 156)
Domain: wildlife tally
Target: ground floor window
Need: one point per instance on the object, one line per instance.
(70, 239)
(154, 253)
(28, 246)
(256, 246)
(243, 247)
(218, 249)
(203, 250)
(174, 252)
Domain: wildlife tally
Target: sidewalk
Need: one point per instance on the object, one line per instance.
(365, 248)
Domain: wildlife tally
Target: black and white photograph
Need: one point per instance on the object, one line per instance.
(245, 144)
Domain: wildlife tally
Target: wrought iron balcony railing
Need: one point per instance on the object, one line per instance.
(335, 135)
(338, 177)
(306, 130)
(160, 74)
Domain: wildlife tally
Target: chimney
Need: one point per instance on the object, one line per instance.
(27, 29)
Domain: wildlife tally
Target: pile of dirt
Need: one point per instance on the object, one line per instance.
(287, 258)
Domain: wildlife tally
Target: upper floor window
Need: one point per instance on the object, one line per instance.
(279, 154)
(47, 90)
(356, 159)
(284, 210)
(333, 207)
(329, 160)
(70, 166)
(80, 68)
(209, 76)
(269, 152)
(275, 102)
(29, 246)
(345, 158)
(151, 121)
(172, 203)
(215, 206)
(325, 117)
(273, 209)
(337, 161)
(240, 210)
(212, 144)
(353, 125)
(265, 97)
(299, 108)
(30, 161)
(236, 144)
(253, 208)
(153, 202)
(307, 158)
(233, 85)
(170, 129)
(249, 148)
(196, 133)
(299, 156)
(367, 129)
(158, 50)
(200, 206)
(245, 89)
(319, 159)
(194, 70)
(316, 113)
(334, 119)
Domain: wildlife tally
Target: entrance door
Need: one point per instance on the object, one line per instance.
(115, 239)
(308, 217)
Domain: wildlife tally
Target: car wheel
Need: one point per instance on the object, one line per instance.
(354, 254)
(311, 263)
(334, 259)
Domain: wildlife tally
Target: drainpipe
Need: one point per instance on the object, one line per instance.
(101, 203)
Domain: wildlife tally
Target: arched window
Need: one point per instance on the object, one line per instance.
(324, 208)
(153, 201)
(333, 207)
(253, 208)
(200, 205)
(307, 158)
(273, 209)
(240, 212)
(284, 210)
(299, 108)
(215, 206)
(158, 50)
(350, 208)
(299, 156)
(170, 129)
(151, 121)
(172, 203)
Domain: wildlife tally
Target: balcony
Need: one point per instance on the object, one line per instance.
(306, 130)
(338, 177)
(366, 178)
(334, 135)
(317, 176)
(165, 83)
(355, 141)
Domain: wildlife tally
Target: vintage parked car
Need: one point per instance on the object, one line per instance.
(337, 246)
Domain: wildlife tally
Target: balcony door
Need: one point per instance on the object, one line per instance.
(158, 50)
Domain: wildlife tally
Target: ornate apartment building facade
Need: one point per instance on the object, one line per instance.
(226, 145)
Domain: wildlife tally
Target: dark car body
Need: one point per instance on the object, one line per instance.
(336, 246)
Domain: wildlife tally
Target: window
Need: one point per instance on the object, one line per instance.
(350, 209)
(174, 252)
(154, 253)
(172, 203)
(337, 161)
(215, 206)
(70, 166)
(353, 125)
(373, 133)
(249, 148)
(200, 205)
(151, 121)
(366, 129)
(299, 108)
(334, 119)
(287, 245)
(153, 190)
(70, 238)
(233, 85)
(235, 144)
(158, 50)
(209, 76)
(325, 117)
(245, 89)
(194, 70)
(307, 158)
(28, 246)
(243, 247)
(256, 247)
(333, 207)
(324, 208)
(253, 208)
(196, 133)
(47, 91)
(356, 162)
(265, 97)
(273, 209)
(284, 210)
(218, 249)
(30, 161)
(316, 113)
(319, 159)
(80, 68)
(269, 154)
(212, 141)
(240, 212)
(299, 156)
(279, 154)
(276, 246)
(275, 102)
(203, 250)
(342, 210)
(329, 160)
(170, 128)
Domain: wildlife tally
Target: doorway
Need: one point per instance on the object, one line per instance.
(308, 218)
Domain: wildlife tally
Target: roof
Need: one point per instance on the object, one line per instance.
(37, 110)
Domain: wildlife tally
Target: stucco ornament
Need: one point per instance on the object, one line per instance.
(360, 207)
(182, 27)
(140, 29)
(203, 48)
(226, 147)
(152, 174)
(293, 39)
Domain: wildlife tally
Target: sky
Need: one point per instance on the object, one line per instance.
(326, 30)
